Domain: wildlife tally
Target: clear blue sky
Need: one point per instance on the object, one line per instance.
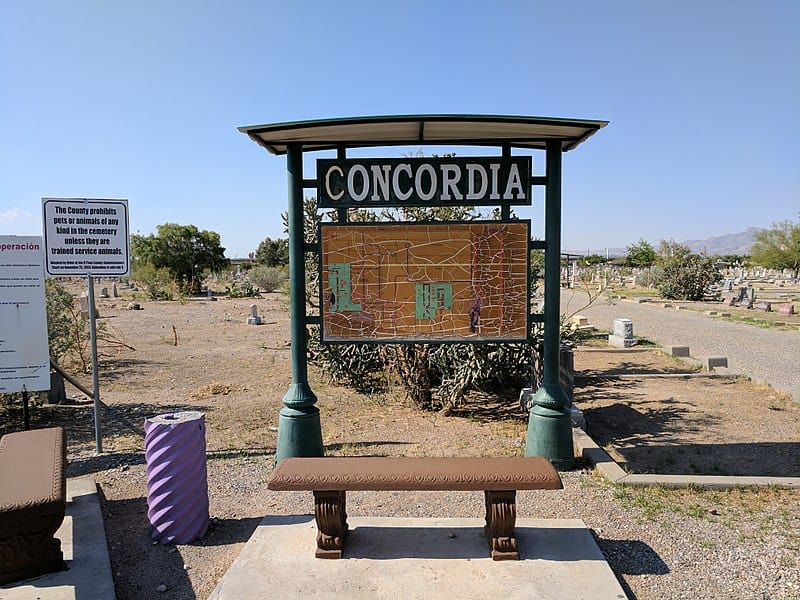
(141, 100)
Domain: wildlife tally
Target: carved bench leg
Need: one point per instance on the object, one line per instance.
(28, 547)
(501, 516)
(330, 512)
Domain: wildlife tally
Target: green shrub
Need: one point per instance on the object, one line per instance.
(268, 279)
(245, 289)
(158, 283)
(683, 274)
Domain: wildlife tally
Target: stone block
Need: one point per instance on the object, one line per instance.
(713, 362)
(580, 321)
(679, 351)
(619, 341)
(623, 328)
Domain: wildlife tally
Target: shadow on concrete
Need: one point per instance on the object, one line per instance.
(228, 531)
(459, 543)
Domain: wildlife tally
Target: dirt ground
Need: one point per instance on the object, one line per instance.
(692, 425)
(201, 355)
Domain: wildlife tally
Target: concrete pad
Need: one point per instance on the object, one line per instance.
(420, 558)
(83, 542)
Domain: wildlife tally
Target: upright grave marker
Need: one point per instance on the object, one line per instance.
(87, 237)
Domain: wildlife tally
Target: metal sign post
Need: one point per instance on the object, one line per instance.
(98, 439)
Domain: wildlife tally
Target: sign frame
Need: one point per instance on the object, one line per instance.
(400, 226)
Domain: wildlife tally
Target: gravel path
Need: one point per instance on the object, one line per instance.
(764, 355)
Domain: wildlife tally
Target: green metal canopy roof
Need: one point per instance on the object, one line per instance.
(409, 130)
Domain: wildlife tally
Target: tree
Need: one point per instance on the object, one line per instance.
(640, 254)
(779, 247)
(591, 260)
(273, 253)
(683, 275)
(186, 252)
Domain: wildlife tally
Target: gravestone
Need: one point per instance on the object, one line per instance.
(729, 300)
(623, 334)
(742, 295)
(679, 351)
(580, 321)
(114, 291)
(786, 309)
(104, 292)
(84, 303)
(57, 394)
(765, 306)
(727, 286)
(253, 319)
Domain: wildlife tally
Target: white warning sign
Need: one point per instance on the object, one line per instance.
(86, 237)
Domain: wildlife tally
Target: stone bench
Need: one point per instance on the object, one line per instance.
(499, 478)
(33, 501)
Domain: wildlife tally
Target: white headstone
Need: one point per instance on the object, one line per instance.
(623, 334)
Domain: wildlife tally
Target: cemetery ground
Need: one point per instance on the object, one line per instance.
(661, 543)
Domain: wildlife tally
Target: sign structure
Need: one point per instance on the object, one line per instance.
(434, 282)
(86, 237)
(24, 350)
(379, 182)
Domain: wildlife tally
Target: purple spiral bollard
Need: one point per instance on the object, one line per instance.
(177, 484)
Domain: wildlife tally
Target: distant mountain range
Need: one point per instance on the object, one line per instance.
(730, 243)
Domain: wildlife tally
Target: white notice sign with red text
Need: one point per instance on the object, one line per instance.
(24, 351)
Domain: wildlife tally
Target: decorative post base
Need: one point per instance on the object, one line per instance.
(330, 513)
(299, 430)
(550, 427)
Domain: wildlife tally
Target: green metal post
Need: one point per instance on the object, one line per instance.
(299, 431)
(549, 421)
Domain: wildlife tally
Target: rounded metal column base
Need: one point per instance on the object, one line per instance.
(299, 433)
(550, 429)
